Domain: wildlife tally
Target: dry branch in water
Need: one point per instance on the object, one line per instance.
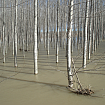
(80, 89)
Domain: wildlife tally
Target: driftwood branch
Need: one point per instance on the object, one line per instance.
(80, 90)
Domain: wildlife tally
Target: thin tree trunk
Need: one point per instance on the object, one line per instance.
(15, 36)
(12, 24)
(102, 21)
(69, 35)
(78, 34)
(3, 31)
(64, 39)
(93, 28)
(95, 43)
(23, 30)
(35, 38)
(44, 25)
(38, 24)
(45, 29)
(90, 32)
(85, 36)
(82, 27)
(61, 28)
(57, 37)
(48, 27)
(27, 28)
(54, 27)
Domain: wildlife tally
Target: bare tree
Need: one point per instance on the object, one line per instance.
(15, 36)
(85, 34)
(4, 23)
(57, 37)
(47, 27)
(69, 35)
(35, 38)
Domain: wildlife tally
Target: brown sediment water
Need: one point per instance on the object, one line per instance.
(19, 86)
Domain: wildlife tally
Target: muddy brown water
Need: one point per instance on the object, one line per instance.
(19, 86)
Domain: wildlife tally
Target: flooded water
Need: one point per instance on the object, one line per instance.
(19, 86)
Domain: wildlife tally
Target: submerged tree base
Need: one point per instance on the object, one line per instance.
(81, 91)
(24, 50)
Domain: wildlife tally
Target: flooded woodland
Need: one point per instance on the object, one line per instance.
(52, 52)
(20, 86)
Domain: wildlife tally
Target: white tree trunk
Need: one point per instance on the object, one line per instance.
(78, 33)
(57, 38)
(27, 32)
(15, 36)
(93, 28)
(12, 28)
(54, 27)
(85, 38)
(64, 39)
(102, 21)
(23, 30)
(35, 38)
(90, 31)
(69, 35)
(48, 27)
(3, 31)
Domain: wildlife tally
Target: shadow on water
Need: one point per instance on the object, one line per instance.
(18, 67)
(15, 71)
(45, 83)
(92, 73)
(58, 86)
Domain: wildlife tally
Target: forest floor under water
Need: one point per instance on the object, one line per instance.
(19, 86)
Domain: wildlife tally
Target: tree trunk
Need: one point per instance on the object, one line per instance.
(3, 31)
(78, 34)
(64, 39)
(27, 28)
(69, 32)
(35, 38)
(85, 35)
(102, 21)
(93, 28)
(23, 30)
(48, 27)
(90, 31)
(54, 27)
(15, 36)
(57, 37)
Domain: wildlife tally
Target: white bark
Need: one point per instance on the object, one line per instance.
(85, 38)
(90, 32)
(35, 38)
(102, 22)
(15, 36)
(93, 27)
(64, 39)
(57, 38)
(48, 27)
(78, 33)
(69, 35)
(44, 25)
(3, 31)
(54, 27)
(23, 30)
(82, 27)
(12, 28)
(27, 28)
(45, 28)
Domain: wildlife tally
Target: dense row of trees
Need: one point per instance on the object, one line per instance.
(62, 22)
